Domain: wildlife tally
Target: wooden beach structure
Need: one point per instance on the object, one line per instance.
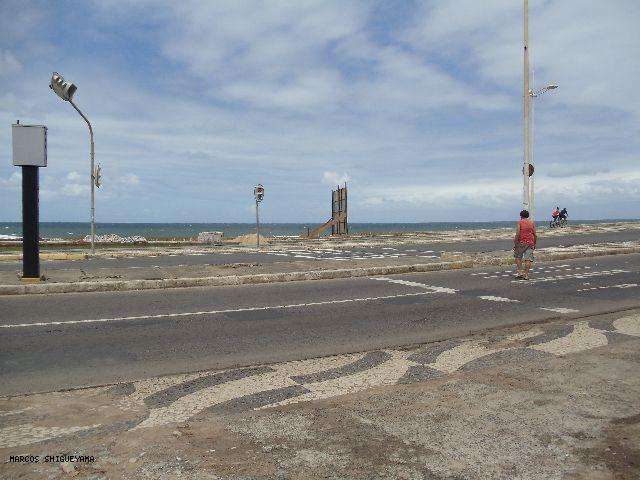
(338, 221)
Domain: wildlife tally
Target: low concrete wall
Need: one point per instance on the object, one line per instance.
(47, 256)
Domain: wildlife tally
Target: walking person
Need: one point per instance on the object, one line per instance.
(524, 243)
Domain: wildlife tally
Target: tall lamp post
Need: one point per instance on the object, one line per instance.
(65, 91)
(528, 94)
(534, 94)
(526, 101)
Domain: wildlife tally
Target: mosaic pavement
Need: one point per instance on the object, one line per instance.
(178, 398)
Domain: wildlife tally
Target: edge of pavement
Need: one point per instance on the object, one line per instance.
(231, 280)
(47, 256)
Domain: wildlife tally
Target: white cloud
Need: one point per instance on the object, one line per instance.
(14, 181)
(214, 97)
(9, 64)
(335, 178)
(504, 195)
(573, 43)
(73, 176)
(74, 190)
(558, 170)
(130, 179)
(268, 56)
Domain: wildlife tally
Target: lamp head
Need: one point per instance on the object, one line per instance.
(64, 90)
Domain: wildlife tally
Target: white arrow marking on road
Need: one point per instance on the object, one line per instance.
(213, 312)
(416, 284)
(496, 299)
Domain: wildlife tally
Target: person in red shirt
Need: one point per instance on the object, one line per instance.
(524, 243)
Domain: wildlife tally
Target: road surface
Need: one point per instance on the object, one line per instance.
(48, 342)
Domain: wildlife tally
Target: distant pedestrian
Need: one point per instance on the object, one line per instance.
(524, 243)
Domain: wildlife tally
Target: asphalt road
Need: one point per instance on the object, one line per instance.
(49, 342)
(301, 253)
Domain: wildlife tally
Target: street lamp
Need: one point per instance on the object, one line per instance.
(65, 90)
(539, 92)
(527, 95)
(534, 94)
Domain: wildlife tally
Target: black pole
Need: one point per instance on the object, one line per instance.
(30, 228)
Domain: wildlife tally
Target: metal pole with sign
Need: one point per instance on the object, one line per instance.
(29, 144)
(258, 193)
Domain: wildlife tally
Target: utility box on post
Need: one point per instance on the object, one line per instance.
(29, 143)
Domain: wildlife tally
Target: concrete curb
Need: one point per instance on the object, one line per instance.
(126, 285)
(47, 256)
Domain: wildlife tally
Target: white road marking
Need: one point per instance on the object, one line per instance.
(416, 284)
(621, 285)
(560, 309)
(231, 310)
(582, 338)
(572, 276)
(496, 299)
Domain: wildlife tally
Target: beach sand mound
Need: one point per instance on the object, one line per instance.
(251, 238)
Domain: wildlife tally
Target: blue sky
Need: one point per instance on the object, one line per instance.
(416, 104)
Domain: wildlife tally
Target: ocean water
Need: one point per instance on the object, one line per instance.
(76, 230)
